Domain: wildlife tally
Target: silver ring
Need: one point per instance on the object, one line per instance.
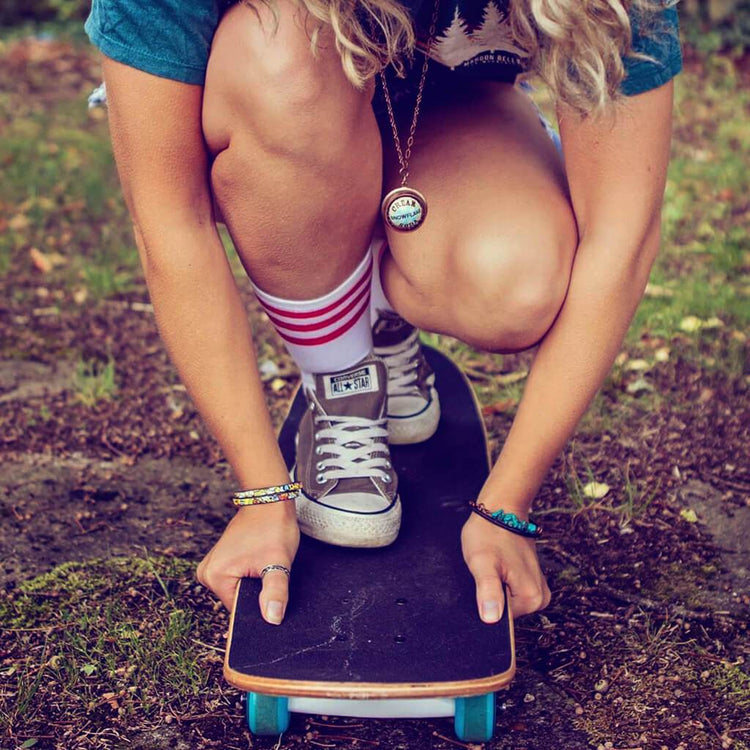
(270, 568)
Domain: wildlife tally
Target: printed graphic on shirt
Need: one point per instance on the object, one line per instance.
(484, 41)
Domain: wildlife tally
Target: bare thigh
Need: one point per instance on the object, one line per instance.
(492, 262)
(297, 161)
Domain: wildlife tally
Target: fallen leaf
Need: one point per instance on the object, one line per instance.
(46, 204)
(705, 230)
(111, 699)
(499, 407)
(268, 369)
(706, 395)
(641, 385)
(691, 324)
(689, 515)
(277, 385)
(40, 261)
(637, 364)
(596, 490)
(45, 262)
(19, 222)
(656, 291)
(662, 355)
(512, 377)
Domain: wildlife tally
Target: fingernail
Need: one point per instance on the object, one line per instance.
(274, 612)
(490, 611)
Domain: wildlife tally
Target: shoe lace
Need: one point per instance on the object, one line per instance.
(353, 448)
(402, 360)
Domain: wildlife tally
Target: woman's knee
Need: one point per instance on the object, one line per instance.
(499, 295)
(511, 296)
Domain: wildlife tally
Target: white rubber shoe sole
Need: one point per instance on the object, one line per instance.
(414, 428)
(346, 528)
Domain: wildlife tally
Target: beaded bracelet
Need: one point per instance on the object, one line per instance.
(264, 495)
(509, 521)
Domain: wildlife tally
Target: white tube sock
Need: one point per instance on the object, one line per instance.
(330, 333)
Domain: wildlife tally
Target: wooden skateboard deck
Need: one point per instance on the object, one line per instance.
(394, 622)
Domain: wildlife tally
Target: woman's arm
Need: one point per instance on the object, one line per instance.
(616, 169)
(156, 134)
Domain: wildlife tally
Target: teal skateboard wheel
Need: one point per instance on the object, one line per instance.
(267, 714)
(475, 718)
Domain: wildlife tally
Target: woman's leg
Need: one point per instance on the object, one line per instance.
(297, 175)
(492, 262)
(297, 169)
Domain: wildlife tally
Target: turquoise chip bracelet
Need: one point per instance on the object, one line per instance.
(508, 521)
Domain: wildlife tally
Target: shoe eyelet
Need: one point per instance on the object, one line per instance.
(320, 479)
(387, 478)
(319, 451)
(319, 466)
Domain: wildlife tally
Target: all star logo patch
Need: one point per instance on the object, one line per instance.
(361, 380)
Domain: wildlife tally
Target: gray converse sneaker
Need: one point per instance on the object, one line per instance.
(349, 493)
(413, 404)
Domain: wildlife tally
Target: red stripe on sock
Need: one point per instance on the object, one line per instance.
(365, 279)
(333, 335)
(305, 327)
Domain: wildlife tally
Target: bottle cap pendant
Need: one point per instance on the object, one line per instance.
(404, 209)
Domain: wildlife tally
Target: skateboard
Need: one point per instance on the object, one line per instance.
(388, 632)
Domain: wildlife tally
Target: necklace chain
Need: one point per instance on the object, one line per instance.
(404, 156)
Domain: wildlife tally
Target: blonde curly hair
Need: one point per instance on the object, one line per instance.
(575, 46)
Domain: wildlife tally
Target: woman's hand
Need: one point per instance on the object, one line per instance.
(255, 537)
(496, 556)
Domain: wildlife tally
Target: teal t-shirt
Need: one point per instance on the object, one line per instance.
(169, 38)
(172, 39)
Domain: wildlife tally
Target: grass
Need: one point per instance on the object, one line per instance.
(704, 265)
(732, 682)
(114, 639)
(636, 499)
(61, 199)
(95, 381)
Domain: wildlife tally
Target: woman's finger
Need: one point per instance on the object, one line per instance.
(223, 586)
(490, 598)
(274, 596)
(529, 596)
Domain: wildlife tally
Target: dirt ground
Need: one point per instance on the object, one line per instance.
(86, 483)
(644, 646)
